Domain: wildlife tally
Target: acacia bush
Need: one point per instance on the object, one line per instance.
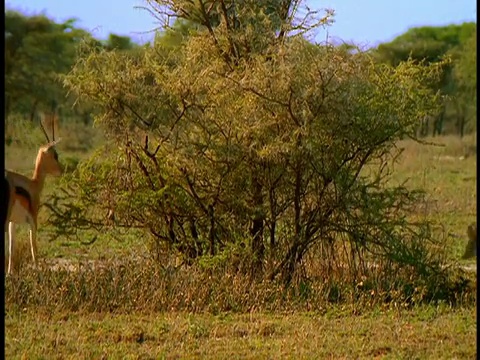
(256, 144)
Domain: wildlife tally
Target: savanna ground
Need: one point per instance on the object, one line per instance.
(60, 328)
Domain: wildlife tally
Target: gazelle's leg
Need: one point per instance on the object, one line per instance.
(33, 242)
(11, 230)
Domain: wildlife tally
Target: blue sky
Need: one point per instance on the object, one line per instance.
(366, 22)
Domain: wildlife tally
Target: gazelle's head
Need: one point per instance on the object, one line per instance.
(47, 159)
(471, 248)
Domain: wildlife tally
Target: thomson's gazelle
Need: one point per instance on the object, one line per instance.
(23, 200)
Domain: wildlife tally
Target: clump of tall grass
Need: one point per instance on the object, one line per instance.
(143, 285)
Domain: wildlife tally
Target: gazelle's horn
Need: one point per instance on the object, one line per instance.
(54, 117)
(42, 116)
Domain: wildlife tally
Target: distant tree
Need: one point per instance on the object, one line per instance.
(465, 82)
(118, 42)
(430, 45)
(37, 50)
(427, 43)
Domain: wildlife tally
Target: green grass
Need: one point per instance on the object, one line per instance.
(426, 333)
(450, 182)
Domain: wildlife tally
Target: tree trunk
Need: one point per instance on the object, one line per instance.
(289, 264)
(194, 234)
(33, 110)
(258, 247)
(272, 234)
(438, 124)
(460, 120)
(171, 230)
(294, 255)
(424, 128)
(211, 235)
(462, 126)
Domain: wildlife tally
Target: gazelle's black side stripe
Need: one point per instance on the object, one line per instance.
(24, 193)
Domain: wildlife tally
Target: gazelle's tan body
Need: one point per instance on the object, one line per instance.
(24, 196)
(9, 196)
(471, 248)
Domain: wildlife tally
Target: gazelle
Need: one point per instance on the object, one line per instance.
(471, 248)
(24, 194)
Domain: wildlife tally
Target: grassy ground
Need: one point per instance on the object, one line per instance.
(448, 176)
(426, 333)
(448, 173)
